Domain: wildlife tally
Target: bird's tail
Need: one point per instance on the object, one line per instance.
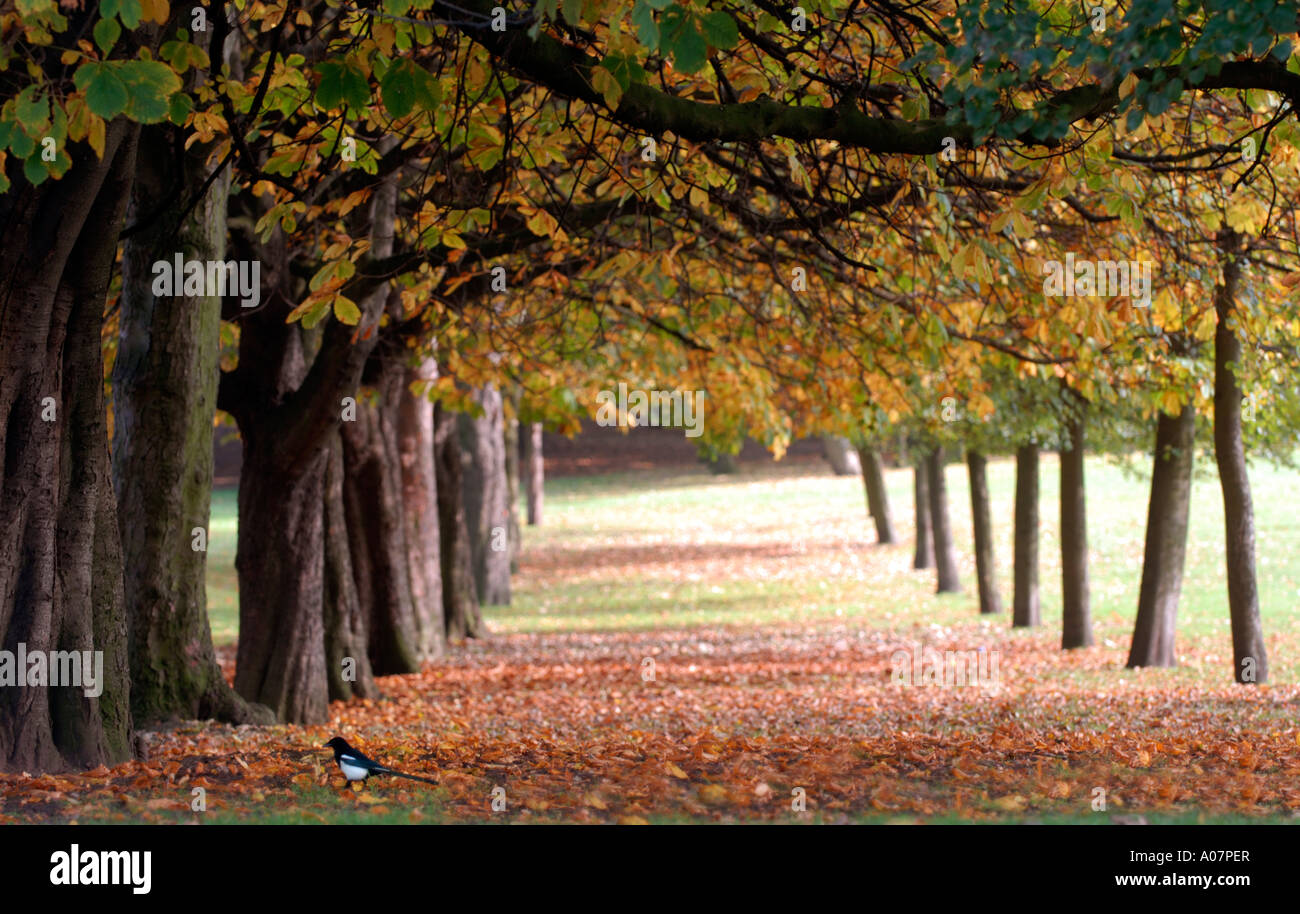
(410, 777)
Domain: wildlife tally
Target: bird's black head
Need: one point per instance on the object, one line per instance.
(337, 743)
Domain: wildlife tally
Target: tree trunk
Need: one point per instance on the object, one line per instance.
(840, 454)
(459, 594)
(484, 492)
(873, 480)
(510, 433)
(61, 584)
(281, 563)
(982, 524)
(164, 397)
(924, 555)
(289, 394)
(945, 550)
(1025, 607)
(722, 463)
(347, 645)
(1166, 541)
(420, 501)
(1076, 622)
(1250, 660)
(376, 523)
(534, 473)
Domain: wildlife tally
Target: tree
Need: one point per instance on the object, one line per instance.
(459, 592)
(1250, 661)
(1166, 540)
(1025, 607)
(534, 472)
(164, 385)
(1076, 628)
(873, 480)
(945, 550)
(982, 524)
(923, 556)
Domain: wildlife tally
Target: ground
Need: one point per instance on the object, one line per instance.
(685, 647)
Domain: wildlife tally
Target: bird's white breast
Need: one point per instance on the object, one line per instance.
(352, 772)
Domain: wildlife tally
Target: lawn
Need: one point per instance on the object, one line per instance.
(787, 544)
(684, 647)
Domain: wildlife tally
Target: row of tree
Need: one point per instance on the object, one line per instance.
(805, 213)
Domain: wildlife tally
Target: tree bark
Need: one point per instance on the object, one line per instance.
(289, 394)
(347, 644)
(1250, 659)
(873, 480)
(459, 593)
(484, 492)
(982, 524)
(1166, 541)
(534, 473)
(722, 463)
(945, 550)
(1076, 622)
(510, 433)
(61, 582)
(164, 397)
(420, 501)
(281, 660)
(924, 555)
(1025, 606)
(840, 454)
(376, 523)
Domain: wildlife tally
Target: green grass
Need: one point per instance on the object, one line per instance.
(223, 584)
(791, 544)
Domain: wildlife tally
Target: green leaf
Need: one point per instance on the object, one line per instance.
(686, 45)
(151, 85)
(32, 111)
(130, 12)
(398, 89)
(647, 30)
(720, 30)
(341, 82)
(106, 94)
(178, 108)
(106, 34)
(34, 170)
(21, 144)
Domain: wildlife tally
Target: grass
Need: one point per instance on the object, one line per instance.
(764, 596)
(654, 549)
(668, 519)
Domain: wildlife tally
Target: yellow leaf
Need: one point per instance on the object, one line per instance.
(713, 795)
(1011, 803)
(154, 11)
(632, 820)
(675, 771)
(95, 135)
(346, 310)
(594, 801)
(604, 82)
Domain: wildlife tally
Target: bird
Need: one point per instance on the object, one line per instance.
(356, 766)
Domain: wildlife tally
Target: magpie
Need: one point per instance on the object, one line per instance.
(357, 767)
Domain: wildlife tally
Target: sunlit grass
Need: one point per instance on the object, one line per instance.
(791, 544)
